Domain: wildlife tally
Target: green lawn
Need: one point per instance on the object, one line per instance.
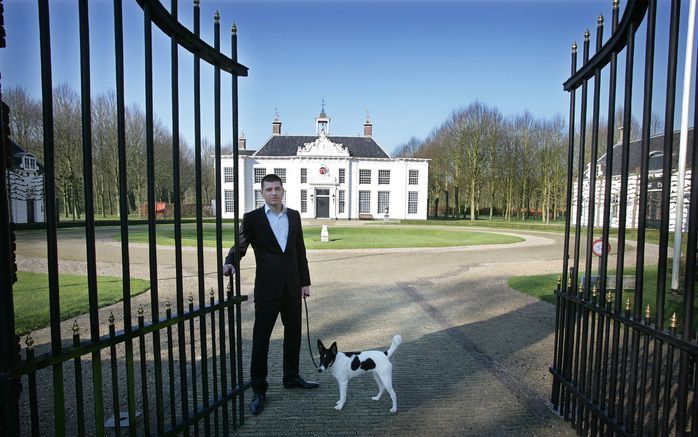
(346, 237)
(32, 304)
(542, 286)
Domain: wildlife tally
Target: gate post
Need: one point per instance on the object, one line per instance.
(9, 386)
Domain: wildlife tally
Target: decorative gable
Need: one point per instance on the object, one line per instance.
(322, 146)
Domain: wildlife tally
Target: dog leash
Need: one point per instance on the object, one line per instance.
(307, 326)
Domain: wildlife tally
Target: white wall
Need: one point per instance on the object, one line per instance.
(398, 187)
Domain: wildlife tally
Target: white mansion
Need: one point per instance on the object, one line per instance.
(330, 176)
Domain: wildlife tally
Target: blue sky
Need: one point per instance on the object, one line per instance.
(408, 63)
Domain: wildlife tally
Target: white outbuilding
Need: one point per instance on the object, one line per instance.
(327, 176)
(25, 186)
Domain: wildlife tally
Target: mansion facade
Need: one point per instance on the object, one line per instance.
(325, 176)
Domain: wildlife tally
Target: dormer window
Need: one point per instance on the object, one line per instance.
(29, 162)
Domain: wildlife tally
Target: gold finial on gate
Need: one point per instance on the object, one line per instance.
(627, 305)
(111, 317)
(76, 328)
(234, 29)
(574, 47)
(600, 20)
(559, 281)
(217, 17)
(168, 304)
(580, 288)
(648, 312)
(586, 35)
(594, 291)
(616, 3)
(196, 3)
(609, 297)
(210, 292)
(29, 341)
(140, 310)
(674, 323)
(191, 298)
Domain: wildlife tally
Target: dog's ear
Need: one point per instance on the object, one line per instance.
(320, 345)
(333, 348)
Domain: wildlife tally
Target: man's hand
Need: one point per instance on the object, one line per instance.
(228, 270)
(305, 291)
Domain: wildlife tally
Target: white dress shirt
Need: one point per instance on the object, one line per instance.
(279, 225)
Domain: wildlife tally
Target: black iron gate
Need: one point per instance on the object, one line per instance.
(625, 344)
(177, 370)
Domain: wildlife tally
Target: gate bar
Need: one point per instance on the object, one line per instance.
(219, 223)
(152, 232)
(179, 285)
(88, 184)
(51, 213)
(236, 221)
(199, 222)
(123, 212)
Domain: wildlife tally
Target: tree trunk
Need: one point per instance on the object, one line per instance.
(472, 200)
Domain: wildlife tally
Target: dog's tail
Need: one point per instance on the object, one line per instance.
(397, 339)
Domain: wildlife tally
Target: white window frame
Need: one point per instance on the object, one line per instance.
(229, 201)
(413, 178)
(340, 199)
(364, 176)
(304, 201)
(304, 176)
(383, 201)
(364, 203)
(383, 177)
(258, 199)
(29, 162)
(412, 202)
(259, 174)
(342, 175)
(228, 174)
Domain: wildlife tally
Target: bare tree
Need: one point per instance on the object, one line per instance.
(409, 149)
(25, 120)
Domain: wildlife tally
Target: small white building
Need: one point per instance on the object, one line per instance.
(326, 176)
(25, 186)
(654, 185)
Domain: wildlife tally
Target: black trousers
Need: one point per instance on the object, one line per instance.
(265, 315)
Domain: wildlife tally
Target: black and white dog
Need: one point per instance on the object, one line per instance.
(347, 365)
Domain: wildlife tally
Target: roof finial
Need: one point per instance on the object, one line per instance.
(234, 29)
(276, 114)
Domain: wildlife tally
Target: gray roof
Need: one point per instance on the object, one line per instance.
(656, 145)
(287, 145)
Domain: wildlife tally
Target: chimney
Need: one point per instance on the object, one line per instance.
(276, 124)
(368, 126)
(242, 141)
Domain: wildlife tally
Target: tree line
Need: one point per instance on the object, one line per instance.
(483, 163)
(27, 131)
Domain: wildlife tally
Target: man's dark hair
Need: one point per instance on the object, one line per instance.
(272, 178)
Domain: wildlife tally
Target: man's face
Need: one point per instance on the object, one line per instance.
(273, 193)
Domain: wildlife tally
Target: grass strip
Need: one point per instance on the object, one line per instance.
(31, 300)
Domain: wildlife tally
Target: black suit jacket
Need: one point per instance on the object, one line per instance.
(276, 269)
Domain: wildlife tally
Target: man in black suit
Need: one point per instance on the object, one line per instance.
(281, 279)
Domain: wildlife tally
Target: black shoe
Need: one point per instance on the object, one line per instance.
(299, 382)
(257, 403)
